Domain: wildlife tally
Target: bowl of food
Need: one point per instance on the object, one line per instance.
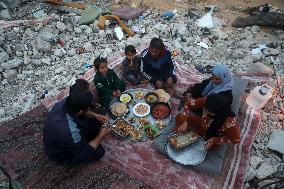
(151, 98)
(139, 95)
(125, 98)
(151, 131)
(119, 109)
(141, 110)
(161, 110)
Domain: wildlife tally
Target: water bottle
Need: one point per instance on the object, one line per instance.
(259, 96)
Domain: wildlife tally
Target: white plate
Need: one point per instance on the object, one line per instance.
(141, 115)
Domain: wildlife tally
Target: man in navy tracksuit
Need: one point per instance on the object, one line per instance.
(158, 66)
(69, 136)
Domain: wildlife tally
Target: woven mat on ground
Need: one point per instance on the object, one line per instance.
(126, 164)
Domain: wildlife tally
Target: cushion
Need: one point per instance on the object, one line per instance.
(127, 13)
(238, 90)
(90, 14)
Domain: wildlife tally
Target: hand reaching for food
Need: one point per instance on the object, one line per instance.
(183, 127)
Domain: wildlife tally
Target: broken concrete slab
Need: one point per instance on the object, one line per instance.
(264, 170)
(276, 141)
(260, 68)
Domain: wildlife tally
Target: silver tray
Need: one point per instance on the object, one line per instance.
(130, 114)
(192, 154)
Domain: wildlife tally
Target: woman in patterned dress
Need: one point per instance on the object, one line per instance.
(217, 124)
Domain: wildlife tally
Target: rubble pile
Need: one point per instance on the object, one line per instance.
(43, 58)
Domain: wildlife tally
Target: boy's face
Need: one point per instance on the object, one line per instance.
(130, 56)
(103, 68)
(155, 53)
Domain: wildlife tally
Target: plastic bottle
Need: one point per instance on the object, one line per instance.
(259, 96)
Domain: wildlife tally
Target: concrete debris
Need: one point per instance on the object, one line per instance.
(276, 140)
(264, 170)
(14, 63)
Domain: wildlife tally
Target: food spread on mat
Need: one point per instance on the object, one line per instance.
(160, 124)
(143, 121)
(151, 98)
(122, 128)
(161, 111)
(179, 141)
(118, 109)
(135, 135)
(132, 120)
(139, 95)
(125, 98)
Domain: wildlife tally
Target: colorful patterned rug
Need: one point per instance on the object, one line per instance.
(126, 164)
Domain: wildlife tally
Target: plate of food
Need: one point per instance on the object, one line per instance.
(186, 149)
(179, 141)
(161, 110)
(119, 109)
(125, 98)
(151, 131)
(122, 128)
(141, 109)
(139, 95)
(151, 98)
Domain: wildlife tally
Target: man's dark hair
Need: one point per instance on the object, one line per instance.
(79, 100)
(80, 84)
(99, 60)
(157, 43)
(129, 48)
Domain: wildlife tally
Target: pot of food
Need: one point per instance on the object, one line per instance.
(161, 110)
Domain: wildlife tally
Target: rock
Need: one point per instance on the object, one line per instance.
(19, 54)
(45, 61)
(16, 62)
(276, 141)
(76, 19)
(280, 117)
(255, 29)
(264, 170)
(245, 44)
(250, 174)
(78, 30)
(61, 26)
(4, 12)
(2, 112)
(41, 45)
(88, 47)
(29, 32)
(88, 30)
(47, 36)
(10, 74)
(36, 62)
(270, 52)
(3, 57)
(71, 52)
(255, 161)
(58, 53)
(260, 68)
(20, 47)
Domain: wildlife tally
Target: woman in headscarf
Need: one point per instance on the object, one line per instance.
(217, 124)
(221, 82)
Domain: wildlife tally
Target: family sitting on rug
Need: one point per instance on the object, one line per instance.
(72, 133)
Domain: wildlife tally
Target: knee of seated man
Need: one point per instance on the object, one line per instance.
(100, 152)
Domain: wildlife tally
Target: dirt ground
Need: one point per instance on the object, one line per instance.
(227, 8)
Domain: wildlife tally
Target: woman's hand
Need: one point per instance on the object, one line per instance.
(183, 127)
(209, 144)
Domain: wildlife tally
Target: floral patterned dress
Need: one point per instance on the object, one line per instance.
(229, 132)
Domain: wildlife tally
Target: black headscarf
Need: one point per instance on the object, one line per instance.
(221, 107)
